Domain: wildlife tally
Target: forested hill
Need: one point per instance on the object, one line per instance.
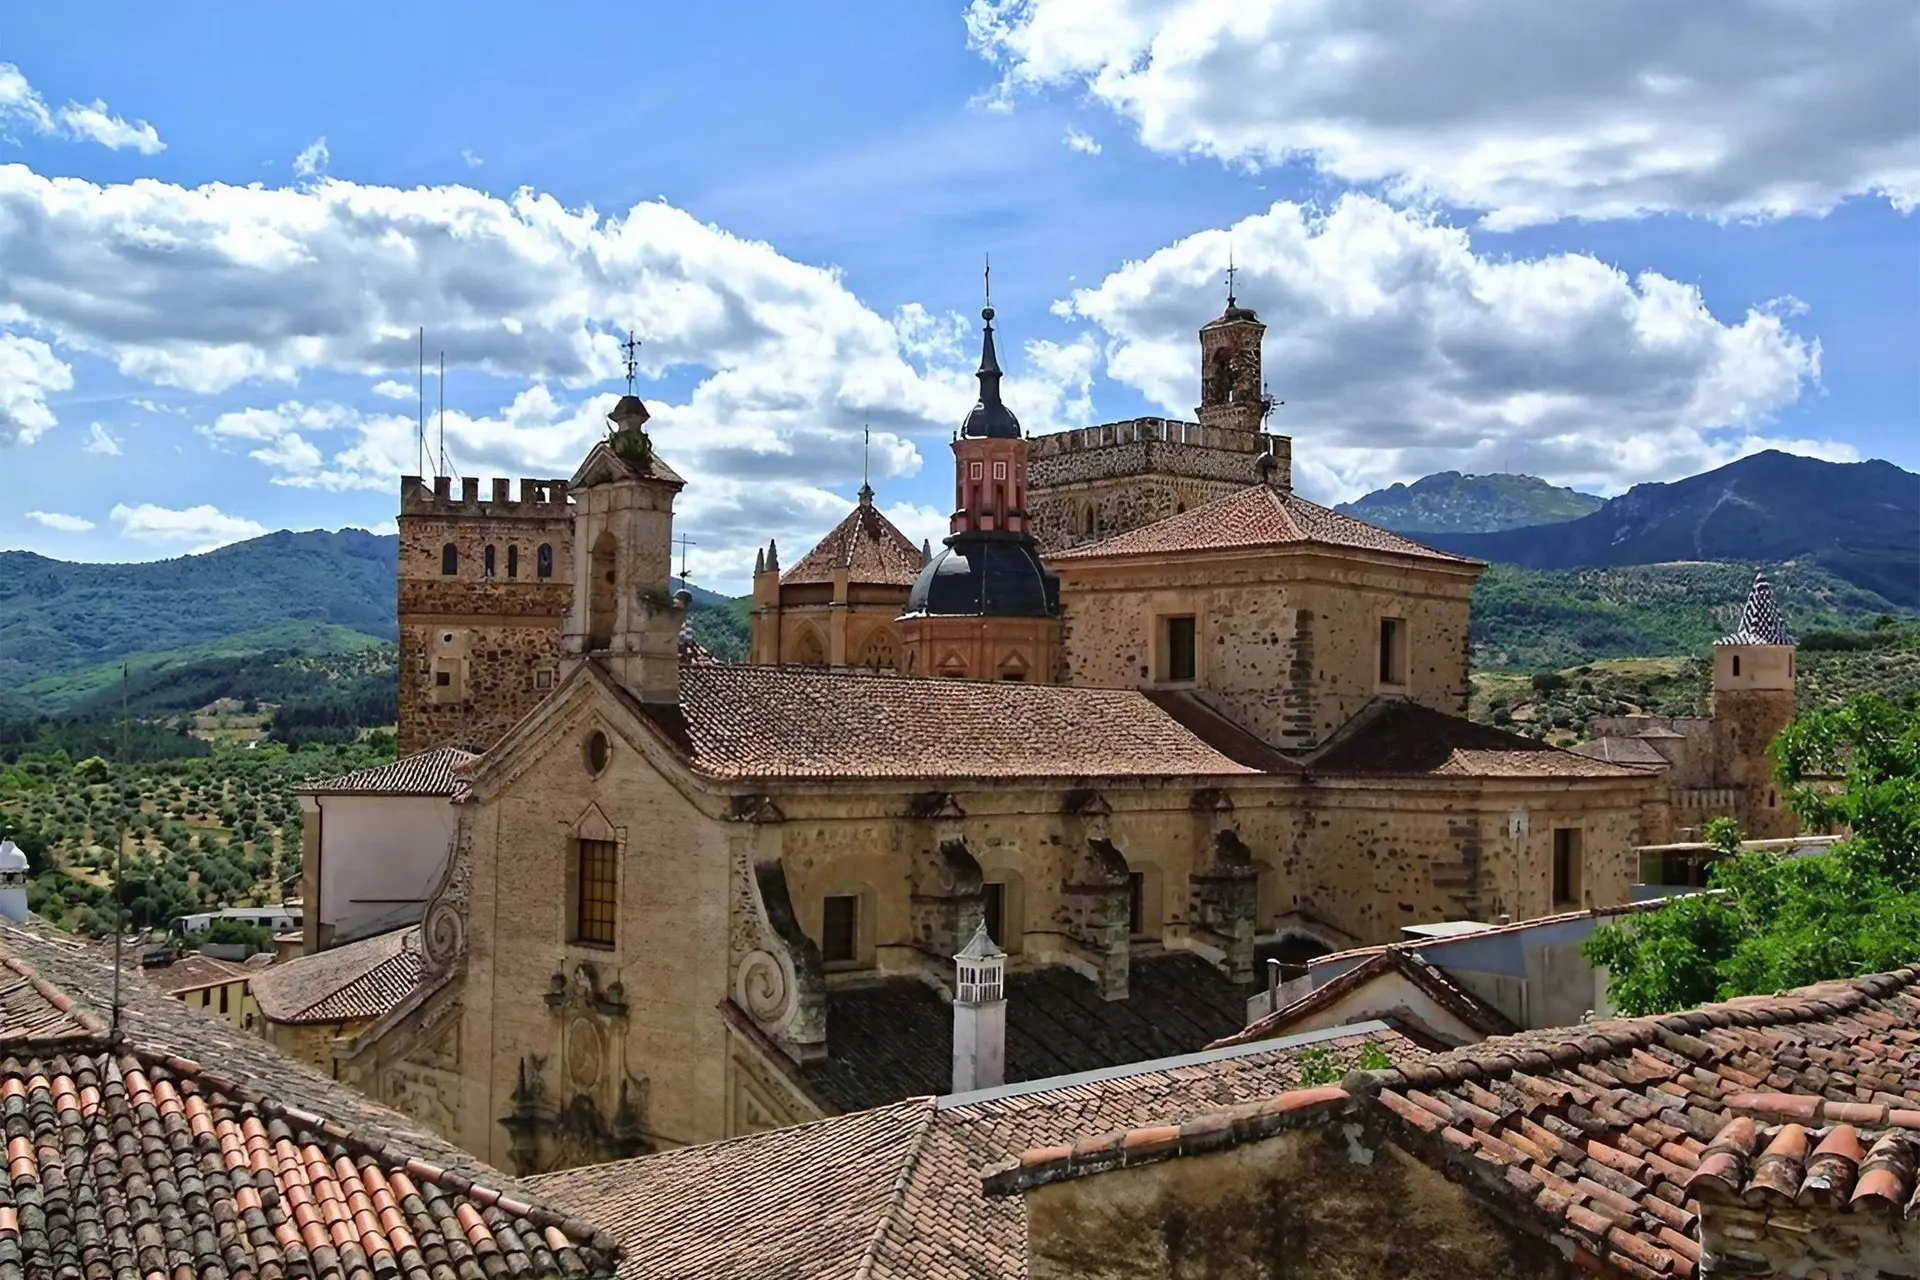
(1449, 502)
(58, 617)
(1860, 521)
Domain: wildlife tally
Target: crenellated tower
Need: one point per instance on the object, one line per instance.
(483, 586)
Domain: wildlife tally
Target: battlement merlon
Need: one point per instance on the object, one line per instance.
(1164, 430)
(538, 499)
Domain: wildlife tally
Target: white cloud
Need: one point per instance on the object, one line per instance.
(392, 390)
(100, 440)
(312, 160)
(1085, 143)
(61, 521)
(473, 161)
(29, 372)
(154, 406)
(205, 526)
(22, 105)
(1400, 351)
(1532, 111)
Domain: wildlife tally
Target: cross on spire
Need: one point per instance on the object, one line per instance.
(1231, 269)
(683, 542)
(632, 349)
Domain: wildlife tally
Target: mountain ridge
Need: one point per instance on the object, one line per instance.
(1452, 502)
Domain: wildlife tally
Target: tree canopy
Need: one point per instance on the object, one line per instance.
(1783, 922)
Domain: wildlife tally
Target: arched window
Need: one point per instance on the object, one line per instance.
(808, 651)
(543, 560)
(513, 562)
(449, 560)
(600, 602)
(1088, 520)
(486, 561)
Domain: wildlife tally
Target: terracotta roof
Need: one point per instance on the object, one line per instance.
(867, 545)
(894, 1193)
(1618, 750)
(1406, 738)
(191, 972)
(1609, 1136)
(33, 1009)
(360, 980)
(428, 773)
(1433, 981)
(1257, 516)
(894, 1039)
(280, 1172)
(756, 721)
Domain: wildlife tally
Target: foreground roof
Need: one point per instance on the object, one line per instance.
(1609, 1136)
(261, 1167)
(1406, 738)
(894, 1039)
(361, 980)
(1254, 517)
(867, 545)
(426, 773)
(759, 721)
(894, 1193)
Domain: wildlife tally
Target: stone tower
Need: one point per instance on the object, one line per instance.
(483, 588)
(1753, 700)
(985, 608)
(1095, 482)
(622, 614)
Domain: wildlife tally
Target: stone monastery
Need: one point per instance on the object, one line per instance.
(1146, 721)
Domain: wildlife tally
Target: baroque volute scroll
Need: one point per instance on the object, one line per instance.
(778, 978)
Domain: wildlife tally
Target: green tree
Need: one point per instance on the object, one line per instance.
(1776, 922)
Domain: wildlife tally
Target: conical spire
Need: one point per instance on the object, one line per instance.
(1761, 621)
(990, 417)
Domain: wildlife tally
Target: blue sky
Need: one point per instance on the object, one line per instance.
(1601, 242)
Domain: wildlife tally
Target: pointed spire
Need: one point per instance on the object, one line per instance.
(1761, 622)
(759, 560)
(866, 459)
(990, 417)
(773, 556)
(926, 552)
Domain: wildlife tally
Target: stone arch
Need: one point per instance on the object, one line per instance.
(808, 649)
(602, 596)
(487, 560)
(449, 560)
(513, 560)
(880, 650)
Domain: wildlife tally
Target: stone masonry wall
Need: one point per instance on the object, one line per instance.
(473, 647)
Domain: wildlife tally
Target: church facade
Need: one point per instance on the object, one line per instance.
(690, 899)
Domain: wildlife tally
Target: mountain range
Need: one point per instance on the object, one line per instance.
(1849, 535)
(1448, 502)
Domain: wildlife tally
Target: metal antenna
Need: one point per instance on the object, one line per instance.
(420, 423)
(443, 415)
(684, 542)
(632, 349)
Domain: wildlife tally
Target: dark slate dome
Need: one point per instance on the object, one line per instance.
(986, 575)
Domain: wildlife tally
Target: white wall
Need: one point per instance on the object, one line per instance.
(376, 854)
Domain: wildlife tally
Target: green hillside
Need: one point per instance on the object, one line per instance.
(1449, 502)
(1533, 620)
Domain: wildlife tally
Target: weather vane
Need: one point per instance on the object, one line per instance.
(1230, 274)
(987, 288)
(632, 349)
(1267, 403)
(684, 542)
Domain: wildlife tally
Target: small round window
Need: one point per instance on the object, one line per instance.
(597, 750)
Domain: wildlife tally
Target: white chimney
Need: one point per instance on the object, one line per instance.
(13, 881)
(980, 1015)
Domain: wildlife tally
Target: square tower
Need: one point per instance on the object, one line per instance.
(484, 586)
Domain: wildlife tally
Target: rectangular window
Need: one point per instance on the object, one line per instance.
(999, 471)
(1178, 641)
(1136, 902)
(840, 929)
(994, 902)
(543, 678)
(442, 679)
(223, 999)
(593, 918)
(1566, 866)
(974, 471)
(513, 562)
(1393, 651)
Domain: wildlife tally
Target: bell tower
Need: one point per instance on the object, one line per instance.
(1752, 701)
(622, 613)
(1231, 392)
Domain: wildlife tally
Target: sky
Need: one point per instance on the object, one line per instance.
(1601, 241)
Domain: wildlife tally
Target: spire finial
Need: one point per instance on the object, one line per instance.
(1231, 300)
(632, 349)
(866, 457)
(986, 310)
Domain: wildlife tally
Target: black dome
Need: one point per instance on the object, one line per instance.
(986, 575)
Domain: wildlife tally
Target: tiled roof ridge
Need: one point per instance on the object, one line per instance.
(56, 997)
(1491, 1059)
(897, 1195)
(189, 1072)
(865, 523)
(1401, 957)
(376, 951)
(415, 774)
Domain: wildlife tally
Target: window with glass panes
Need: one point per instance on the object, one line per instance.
(593, 920)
